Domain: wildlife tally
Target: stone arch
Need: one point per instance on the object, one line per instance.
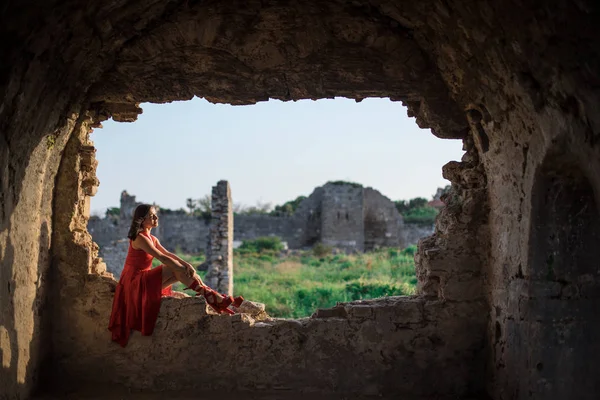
(68, 65)
(559, 330)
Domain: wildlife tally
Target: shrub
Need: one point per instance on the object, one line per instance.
(421, 215)
(409, 251)
(346, 183)
(260, 244)
(288, 208)
(320, 250)
(266, 257)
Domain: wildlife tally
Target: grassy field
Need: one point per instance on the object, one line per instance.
(296, 285)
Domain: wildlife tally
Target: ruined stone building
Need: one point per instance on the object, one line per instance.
(508, 284)
(343, 216)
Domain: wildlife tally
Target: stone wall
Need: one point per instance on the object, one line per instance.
(342, 217)
(128, 205)
(249, 227)
(383, 225)
(377, 348)
(107, 230)
(185, 233)
(307, 221)
(544, 282)
(114, 255)
(338, 215)
(411, 233)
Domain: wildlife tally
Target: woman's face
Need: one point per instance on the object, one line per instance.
(151, 220)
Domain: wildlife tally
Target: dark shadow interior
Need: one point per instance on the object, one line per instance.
(560, 312)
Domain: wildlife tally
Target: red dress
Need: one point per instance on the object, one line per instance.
(137, 297)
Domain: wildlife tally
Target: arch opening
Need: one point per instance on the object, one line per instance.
(558, 329)
(364, 219)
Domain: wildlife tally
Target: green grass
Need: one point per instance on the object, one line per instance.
(295, 286)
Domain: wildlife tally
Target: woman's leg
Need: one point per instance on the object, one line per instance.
(176, 275)
(172, 275)
(168, 278)
(169, 282)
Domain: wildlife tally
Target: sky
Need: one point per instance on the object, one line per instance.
(270, 152)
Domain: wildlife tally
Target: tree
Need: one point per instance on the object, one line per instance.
(204, 204)
(238, 208)
(401, 206)
(191, 204)
(417, 202)
(288, 208)
(113, 211)
(260, 208)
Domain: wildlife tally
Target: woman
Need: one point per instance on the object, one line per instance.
(139, 291)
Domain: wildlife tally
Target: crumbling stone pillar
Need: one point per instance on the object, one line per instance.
(219, 253)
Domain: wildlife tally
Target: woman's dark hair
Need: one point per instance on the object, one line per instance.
(139, 215)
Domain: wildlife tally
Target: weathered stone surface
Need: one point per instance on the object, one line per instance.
(219, 253)
(253, 309)
(516, 81)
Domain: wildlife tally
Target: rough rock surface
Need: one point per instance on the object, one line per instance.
(508, 283)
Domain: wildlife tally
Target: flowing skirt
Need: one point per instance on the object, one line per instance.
(136, 303)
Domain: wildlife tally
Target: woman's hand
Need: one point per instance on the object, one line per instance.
(189, 269)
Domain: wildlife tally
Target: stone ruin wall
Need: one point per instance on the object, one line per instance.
(308, 215)
(383, 226)
(249, 227)
(342, 217)
(412, 233)
(183, 232)
(219, 252)
(105, 231)
(494, 315)
(114, 255)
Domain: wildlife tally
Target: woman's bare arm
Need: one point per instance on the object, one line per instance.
(172, 255)
(143, 243)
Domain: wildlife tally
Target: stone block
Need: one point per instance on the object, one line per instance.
(335, 312)
(359, 311)
(543, 289)
(98, 266)
(558, 310)
(590, 290)
(238, 320)
(255, 310)
(462, 289)
(410, 311)
(517, 289)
